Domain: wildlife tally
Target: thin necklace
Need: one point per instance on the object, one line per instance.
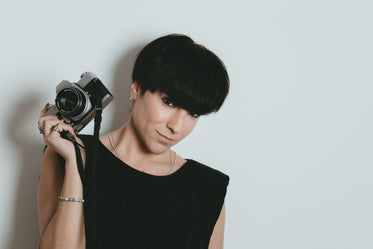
(116, 152)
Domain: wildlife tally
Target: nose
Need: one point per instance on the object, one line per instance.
(176, 122)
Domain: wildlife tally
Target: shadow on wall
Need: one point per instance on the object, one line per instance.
(24, 232)
(121, 87)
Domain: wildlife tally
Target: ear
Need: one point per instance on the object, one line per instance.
(135, 90)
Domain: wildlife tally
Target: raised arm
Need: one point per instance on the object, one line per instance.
(61, 223)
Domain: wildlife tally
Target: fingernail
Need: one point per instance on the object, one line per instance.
(47, 105)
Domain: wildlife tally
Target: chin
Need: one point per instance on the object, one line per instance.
(158, 148)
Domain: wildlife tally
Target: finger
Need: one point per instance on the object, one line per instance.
(42, 120)
(53, 127)
(48, 124)
(44, 110)
(66, 127)
(70, 129)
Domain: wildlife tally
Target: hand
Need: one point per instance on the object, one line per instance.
(51, 126)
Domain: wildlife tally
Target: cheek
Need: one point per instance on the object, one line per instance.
(141, 119)
(149, 117)
(158, 113)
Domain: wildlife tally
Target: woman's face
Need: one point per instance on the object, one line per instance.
(158, 124)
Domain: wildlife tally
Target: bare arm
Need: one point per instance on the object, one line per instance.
(217, 237)
(61, 223)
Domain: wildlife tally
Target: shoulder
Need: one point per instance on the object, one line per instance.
(209, 174)
(211, 189)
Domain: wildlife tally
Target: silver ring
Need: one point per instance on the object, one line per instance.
(56, 128)
(41, 129)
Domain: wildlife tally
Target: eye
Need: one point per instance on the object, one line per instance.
(168, 102)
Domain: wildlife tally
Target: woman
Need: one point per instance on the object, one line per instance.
(141, 194)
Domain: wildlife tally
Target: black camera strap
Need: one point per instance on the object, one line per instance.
(91, 243)
(79, 162)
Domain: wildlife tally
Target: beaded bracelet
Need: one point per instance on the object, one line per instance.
(70, 199)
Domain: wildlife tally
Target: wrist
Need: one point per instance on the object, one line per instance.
(67, 156)
(71, 164)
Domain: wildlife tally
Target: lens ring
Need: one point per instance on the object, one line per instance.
(70, 101)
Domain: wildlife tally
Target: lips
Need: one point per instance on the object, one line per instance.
(165, 137)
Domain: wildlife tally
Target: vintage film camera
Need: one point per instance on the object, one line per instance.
(75, 102)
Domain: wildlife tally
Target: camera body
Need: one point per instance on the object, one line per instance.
(75, 102)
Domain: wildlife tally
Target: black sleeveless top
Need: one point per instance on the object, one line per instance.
(128, 208)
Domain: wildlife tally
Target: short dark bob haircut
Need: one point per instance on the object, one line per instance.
(192, 76)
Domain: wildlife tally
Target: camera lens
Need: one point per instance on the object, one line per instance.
(70, 101)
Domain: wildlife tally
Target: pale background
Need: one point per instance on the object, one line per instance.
(295, 134)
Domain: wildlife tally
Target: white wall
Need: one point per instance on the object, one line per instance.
(295, 134)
